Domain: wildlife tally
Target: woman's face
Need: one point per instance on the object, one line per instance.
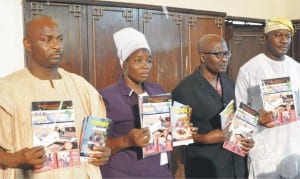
(138, 66)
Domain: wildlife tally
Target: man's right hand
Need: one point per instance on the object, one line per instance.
(26, 158)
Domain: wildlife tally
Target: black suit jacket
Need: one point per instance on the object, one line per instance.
(202, 160)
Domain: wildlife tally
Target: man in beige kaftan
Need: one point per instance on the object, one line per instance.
(43, 80)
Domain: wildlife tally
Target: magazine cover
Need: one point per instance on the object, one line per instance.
(94, 133)
(155, 114)
(54, 127)
(277, 96)
(242, 125)
(227, 115)
(180, 121)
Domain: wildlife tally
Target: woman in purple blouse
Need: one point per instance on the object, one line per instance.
(126, 138)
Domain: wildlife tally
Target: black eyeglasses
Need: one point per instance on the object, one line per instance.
(219, 55)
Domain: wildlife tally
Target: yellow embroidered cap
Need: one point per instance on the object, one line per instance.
(279, 23)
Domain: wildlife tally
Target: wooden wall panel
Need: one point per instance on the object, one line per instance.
(244, 43)
(196, 27)
(295, 47)
(72, 22)
(164, 34)
(102, 23)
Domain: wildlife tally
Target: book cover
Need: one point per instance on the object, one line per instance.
(54, 127)
(155, 114)
(277, 96)
(94, 133)
(242, 125)
(226, 117)
(180, 122)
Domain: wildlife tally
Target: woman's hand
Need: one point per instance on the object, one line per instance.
(138, 137)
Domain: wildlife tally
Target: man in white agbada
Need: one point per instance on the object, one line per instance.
(276, 153)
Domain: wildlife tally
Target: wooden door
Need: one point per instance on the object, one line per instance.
(164, 35)
(72, 22)
(103, 21)
(195, 28)
(244, 42)
(295, 46)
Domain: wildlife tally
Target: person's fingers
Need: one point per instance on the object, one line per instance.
(270, 125)
(247, 144)
(98, 161)
(266, 118)
(101, 157)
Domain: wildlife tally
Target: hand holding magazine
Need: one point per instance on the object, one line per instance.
(94, 133)
(180, 121)
(277, 96)
(54, 127)
(241, 125)
(155, 114)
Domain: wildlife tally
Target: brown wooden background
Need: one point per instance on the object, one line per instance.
(89, 47)
(88, 27)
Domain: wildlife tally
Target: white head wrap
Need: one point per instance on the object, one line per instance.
(279, 23)
(127, 41)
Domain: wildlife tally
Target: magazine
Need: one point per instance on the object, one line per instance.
(180, 122)
(242, 125)
(277, 96)
(94, 133)
(54, 127)
(227, 115)
(155, 114)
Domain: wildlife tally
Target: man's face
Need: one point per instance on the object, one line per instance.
(45, 45)
(218, 59)
(278, 43)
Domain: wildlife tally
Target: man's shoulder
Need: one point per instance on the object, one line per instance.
(226, 77)
(15, 78)
(253, 60)
(72, 75)
(292, 60)
(187, 81)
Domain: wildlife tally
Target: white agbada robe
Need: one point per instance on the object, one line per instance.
(276, 153)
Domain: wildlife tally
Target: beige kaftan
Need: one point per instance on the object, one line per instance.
(18, 90)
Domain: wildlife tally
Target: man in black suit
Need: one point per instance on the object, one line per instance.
(208, 90)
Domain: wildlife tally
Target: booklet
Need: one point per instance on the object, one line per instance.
(93, 133)
(54, 127)
(227, 115)
(277, 96)
(242, 125)
(180, 121)
(155, 114)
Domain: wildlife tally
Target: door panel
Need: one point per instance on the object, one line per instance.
(102, 23)
(164, 35)
(72, 22)
(196, 27)
(245, 42)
